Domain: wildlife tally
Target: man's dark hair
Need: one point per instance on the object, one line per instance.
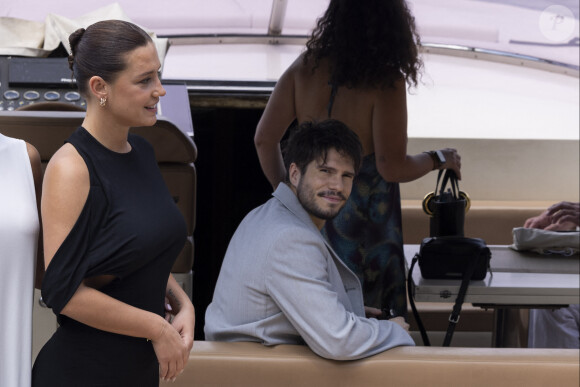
(312, 141)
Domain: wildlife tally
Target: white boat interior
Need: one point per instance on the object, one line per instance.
(500, 84)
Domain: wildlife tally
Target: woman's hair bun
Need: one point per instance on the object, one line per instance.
(71, 61)
(74, 38)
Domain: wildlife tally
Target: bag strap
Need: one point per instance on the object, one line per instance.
(412, 302)
(450, 177)
(444, 182)
(453, 183)
(454, 316)
(439, 174)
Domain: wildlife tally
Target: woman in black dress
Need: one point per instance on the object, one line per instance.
(111, 229)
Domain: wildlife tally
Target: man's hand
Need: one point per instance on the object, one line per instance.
(562, 216)
(371, 312)
(401, 321)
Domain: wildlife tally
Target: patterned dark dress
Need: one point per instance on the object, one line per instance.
(367, 235)
(130, 228)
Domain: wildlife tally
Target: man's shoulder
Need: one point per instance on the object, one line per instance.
(276, 217)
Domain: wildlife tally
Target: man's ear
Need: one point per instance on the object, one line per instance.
(294, 174)
(98, 87)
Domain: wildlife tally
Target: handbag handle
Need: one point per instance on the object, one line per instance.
(457, 194)
(450, 177)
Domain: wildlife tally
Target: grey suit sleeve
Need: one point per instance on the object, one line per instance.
(297, 280)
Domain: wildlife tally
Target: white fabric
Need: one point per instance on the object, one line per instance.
(32, 38)
(545, 241)
(19, 228)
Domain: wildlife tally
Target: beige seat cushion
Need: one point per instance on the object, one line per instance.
(252, 364)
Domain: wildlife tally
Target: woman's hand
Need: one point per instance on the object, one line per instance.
(171, 352)
(452, 161)
(180, 313)
(184, 324)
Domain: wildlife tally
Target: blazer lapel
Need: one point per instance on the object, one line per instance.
(350, 281)
(288, 198)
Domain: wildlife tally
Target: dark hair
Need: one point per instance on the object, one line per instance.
(101, 48)
(312, 140)
(369, 43)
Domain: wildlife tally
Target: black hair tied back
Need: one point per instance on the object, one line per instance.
(73, 40)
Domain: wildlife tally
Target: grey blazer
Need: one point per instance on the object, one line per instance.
(281, 283)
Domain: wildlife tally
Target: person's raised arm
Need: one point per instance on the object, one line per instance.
(278, 115)
(389, 124)
(64, 193)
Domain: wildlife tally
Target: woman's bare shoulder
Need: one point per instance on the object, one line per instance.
(307, 69)
(33, 153)
(392, 93)
(67, 166)
(35, 164)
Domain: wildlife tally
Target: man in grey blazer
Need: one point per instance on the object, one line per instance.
(280, 282)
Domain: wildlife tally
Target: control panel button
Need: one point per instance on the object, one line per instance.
(31, 95)
(11, 95)
(52, 96)
(72, 96)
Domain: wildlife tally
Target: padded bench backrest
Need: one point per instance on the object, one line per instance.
(252, 364)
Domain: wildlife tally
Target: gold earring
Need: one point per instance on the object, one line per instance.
(103, 101)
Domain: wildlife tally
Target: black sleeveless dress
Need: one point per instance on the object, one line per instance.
(130, 228)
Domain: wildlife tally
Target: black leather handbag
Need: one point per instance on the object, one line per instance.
(448, 254)
(450, 257)
(446, 208)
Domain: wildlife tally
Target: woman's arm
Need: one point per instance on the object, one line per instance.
(389, 123)
(96, 309)
(36, 166)
(64, 193)
(183, 310)
(278, 115)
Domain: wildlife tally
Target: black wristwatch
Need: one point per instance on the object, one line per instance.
(437, 157)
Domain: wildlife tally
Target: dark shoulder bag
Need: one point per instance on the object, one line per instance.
(451, 257)
(447, 254)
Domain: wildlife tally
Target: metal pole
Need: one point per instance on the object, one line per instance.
(277, 17)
